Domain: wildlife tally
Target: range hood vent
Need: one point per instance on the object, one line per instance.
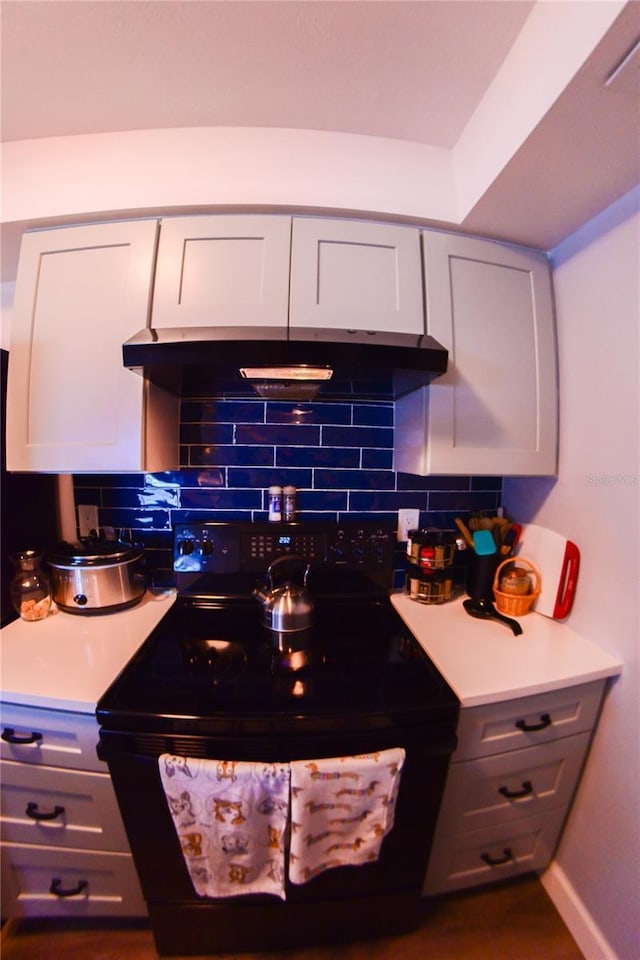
(240, 362)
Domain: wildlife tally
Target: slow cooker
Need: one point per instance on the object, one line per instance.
(96, 575)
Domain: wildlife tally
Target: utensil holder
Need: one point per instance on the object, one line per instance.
(516, 604)
(479, 578)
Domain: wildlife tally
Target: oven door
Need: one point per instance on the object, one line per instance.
(379, 898)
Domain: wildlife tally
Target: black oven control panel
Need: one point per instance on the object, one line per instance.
(212, 547)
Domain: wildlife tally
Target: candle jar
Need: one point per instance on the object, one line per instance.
(30, 589)
(515, 581)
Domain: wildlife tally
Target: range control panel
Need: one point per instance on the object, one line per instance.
(212, 547)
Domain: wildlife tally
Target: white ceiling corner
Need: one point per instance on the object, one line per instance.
(476, 113)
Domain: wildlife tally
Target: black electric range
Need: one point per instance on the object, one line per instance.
(213, 682)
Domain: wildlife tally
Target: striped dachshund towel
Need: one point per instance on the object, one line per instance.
(341, 810)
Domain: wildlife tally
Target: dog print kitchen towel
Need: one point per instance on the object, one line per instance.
(231, 820)
(341, 810)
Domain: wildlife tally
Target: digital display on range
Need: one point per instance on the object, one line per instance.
(284, 541)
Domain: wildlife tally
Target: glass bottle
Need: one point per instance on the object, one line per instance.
(275, 504)
(289, 504)
(29, 589)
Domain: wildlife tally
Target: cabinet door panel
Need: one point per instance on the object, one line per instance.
(80, 808)
(50, 737)
(223, 271)
(356, 275)
(514, 724)
(106, 883)
(495, 410)
(496, 853)
(483, 792)
(80, 293)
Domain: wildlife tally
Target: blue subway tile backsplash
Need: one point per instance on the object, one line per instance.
(338, 455)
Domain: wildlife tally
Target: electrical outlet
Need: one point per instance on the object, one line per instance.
(87, 518)
(407, 520)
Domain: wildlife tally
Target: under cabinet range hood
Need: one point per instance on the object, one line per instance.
(298, 364)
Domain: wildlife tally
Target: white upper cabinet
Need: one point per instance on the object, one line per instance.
(71, 405)
(495, 410)
(222, 271)
(356, 275)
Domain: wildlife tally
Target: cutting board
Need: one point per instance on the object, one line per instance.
(558, 561)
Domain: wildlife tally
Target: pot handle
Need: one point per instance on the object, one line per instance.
(281, 561)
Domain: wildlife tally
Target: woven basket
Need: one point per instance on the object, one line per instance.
(516, 604)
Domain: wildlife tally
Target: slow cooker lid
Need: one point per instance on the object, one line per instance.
(94, 551)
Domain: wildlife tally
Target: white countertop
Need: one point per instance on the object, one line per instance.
(67, 661)
(483, 661)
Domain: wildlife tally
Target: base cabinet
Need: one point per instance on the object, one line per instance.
(507, 796)
(64, 849)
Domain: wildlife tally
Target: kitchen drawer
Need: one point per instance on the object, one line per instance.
(87, 812)
(107, 883)
(519, 847)
(52, 737)
(496, 727)
(538, 779)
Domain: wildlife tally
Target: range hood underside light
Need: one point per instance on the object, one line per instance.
(299, 372)
(300, 382)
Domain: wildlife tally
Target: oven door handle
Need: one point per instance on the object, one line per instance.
(114, 744)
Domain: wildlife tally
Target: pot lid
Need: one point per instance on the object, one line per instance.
(93, 551)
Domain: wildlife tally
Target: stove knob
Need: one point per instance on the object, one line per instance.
(186, 547)
(341, 549)
(206, 548)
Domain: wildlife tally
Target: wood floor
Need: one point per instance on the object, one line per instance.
(516, 921)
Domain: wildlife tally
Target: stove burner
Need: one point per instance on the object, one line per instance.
(220, 658)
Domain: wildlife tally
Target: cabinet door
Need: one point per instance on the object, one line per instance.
(491, 790)
(495, 410)
(528, 721)
(356, 275)
(49, 737)
(51, 806)
(51, 882)
(223, 271)
(71, 405)
(492, 854)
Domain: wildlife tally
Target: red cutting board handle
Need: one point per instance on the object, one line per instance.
(568, 580)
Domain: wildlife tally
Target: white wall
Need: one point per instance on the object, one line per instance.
(595, 880)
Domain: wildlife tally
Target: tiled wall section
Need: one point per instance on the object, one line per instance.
(338, 455)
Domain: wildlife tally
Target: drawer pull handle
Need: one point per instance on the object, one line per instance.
(545, 721)
(33, 812)
(57, 890)
(494, 862)
(10, 736)
(527, 788)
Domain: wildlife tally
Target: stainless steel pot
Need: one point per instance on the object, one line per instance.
(287, 607)
(96, 575)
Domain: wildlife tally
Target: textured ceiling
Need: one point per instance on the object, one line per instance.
(417, 73)
(408, 70)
